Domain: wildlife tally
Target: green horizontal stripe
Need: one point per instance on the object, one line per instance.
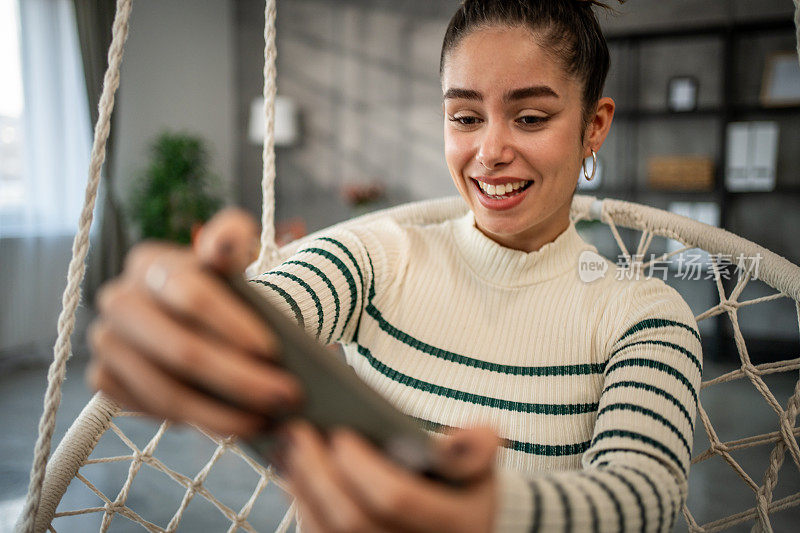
(624, 450)
(641, 438)
(656, 365)
(609, 493)
(676, 347)
(331, 287)
(661, 507)
(349, 254)
(309, 290)
(348, 276)
(298, 315)
(562, 495)
(592, 507)
(651, 414)
(550, 450)
(655, 491)
(537, 509)
(507, 405)
(650, 323)
(636, 496)
(654, 390)
(514, 370)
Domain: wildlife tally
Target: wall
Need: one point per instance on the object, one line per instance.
(365, 75)
(177, 74)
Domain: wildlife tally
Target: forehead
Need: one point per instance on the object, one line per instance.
(498, 58)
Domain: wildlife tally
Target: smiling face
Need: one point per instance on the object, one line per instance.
(514, 134)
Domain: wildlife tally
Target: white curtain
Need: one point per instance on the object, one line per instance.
(36, 231)
(56, 126)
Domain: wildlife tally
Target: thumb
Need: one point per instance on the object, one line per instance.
(468, 454)
(228, 242)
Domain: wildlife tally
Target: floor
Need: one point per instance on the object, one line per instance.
(715, 491)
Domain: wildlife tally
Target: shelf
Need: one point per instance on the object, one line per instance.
(784, 23)
(639, 114)
(788, 190)
(708, 112)
(742, 109)
(612, 192)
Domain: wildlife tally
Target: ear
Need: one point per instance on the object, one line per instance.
(599, 125)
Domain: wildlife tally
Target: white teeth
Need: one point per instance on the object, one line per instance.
(502, 189)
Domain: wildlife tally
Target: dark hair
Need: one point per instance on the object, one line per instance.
(568, 28)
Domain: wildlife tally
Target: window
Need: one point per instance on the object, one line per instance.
(12, 190)
(44, 119)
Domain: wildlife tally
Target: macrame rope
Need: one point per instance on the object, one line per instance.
(651, 222)
(77, 268)
(268, 253)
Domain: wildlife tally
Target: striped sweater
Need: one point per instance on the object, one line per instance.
(592, 386)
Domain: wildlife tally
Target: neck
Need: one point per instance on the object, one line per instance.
(534, 237)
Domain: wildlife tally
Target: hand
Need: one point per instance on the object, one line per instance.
(169, 329)
(346, 485)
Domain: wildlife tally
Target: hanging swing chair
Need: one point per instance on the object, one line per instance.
(50, 479)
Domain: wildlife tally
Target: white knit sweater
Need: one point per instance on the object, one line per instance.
(593, 386)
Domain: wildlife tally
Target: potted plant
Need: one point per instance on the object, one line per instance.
(177, 193)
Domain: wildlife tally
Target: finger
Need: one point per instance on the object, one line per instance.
(175, 278)
(468, 454)
(101, 379)
(229, 241)
(394, 495)
(159, 394)
(318, 483)
(205, 299)
(222, 369)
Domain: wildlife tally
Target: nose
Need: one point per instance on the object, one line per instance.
(495, 149)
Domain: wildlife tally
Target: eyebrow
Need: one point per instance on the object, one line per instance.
(535, 91)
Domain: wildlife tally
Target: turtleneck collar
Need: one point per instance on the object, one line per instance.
(514, 268)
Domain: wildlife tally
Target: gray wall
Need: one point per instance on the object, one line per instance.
(365, 76)
(177, 75)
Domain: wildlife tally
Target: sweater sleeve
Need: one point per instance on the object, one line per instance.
(323, 286)
(634, 475)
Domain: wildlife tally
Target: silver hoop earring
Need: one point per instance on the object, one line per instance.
(594, 167)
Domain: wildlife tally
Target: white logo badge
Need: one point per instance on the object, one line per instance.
(591, 266)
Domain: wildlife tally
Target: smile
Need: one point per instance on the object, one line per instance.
(503, 190)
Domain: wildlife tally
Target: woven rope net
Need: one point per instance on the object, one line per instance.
(635, 229)
(730, 284)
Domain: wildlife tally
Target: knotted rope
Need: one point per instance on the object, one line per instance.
(77, 269)
(268, 252)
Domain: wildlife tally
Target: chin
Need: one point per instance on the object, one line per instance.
(506, 226)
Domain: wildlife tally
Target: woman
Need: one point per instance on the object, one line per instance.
(481, 320)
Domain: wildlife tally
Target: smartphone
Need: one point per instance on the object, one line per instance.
(334, 394)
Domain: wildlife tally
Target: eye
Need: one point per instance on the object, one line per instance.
(532, 120)
(464, 120)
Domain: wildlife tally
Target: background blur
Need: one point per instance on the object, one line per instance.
(363, 127)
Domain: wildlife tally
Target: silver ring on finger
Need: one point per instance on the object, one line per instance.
(156, 277)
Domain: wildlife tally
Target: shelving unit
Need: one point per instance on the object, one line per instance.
(729, 99)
